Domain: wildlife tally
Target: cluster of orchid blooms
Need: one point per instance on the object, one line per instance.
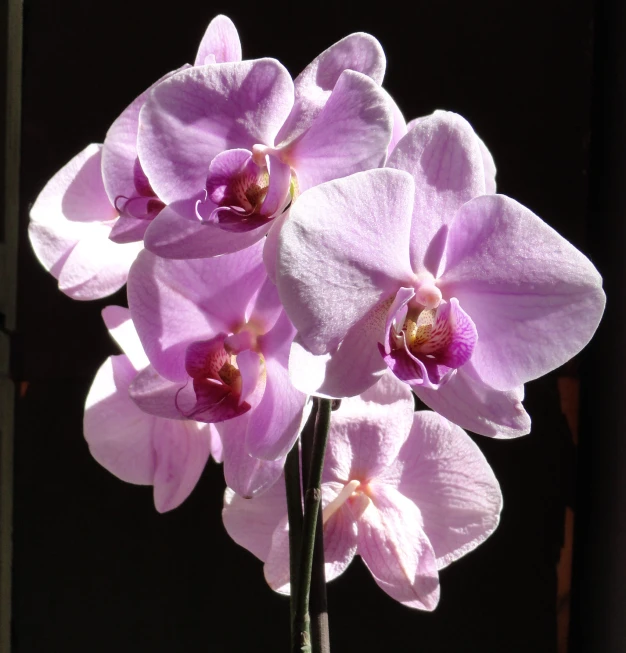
(283, 239)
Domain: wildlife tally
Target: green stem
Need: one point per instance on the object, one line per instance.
(312, 504)
(294, 514)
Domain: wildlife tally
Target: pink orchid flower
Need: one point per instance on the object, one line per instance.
(126, 183)
(408, 492)
(218, 341)
(69, 230)
(465, 296)
(133, 445)
(227, 147)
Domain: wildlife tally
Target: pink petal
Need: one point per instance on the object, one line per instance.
(445, 474)
(535, 299)
(396, 550)
(360, 52)
(251, 522)
(97, 267)
(367, 432)
(175, 303)
(349, 370)
(120, 325)
(319, 252)
(199, 112)
(490, 168)
(181, 450)
(246, 475)
(399, 125)
(276, 422)
(350, 134)
(469, 402)
(265, 310)
(177, 233)
(443, 155)
(221, 40)
(118, 433)
(158, 396)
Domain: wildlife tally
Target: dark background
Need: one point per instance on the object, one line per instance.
(95, 567)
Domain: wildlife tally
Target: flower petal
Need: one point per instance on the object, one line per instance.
(534, 298)
(360, 52)
(469, 402)
(351, 133)
(396, 550)
(443, 155)
(177, 234)
(181, 451)
(199, 112)
(175, 303)
(118, 433)
(366, 432)
(333, 263)
(251, 522)
(120, 325)
(159, 396)
(445, 474)
(221, 40)
(246, 475)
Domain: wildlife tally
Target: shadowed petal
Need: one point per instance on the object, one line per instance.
(120, 325)
(360, 52)
(350, 134)
(469, 402)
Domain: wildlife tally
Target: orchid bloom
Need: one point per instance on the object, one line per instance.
(135, 446)
(69, 229)
(408, 492)
(228, 147)
(218, 342)
(126, 183)
(465, 296)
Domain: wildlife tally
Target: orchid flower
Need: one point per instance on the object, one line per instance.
(135, 446)
(218, 342)
(228, 147)
(126, 184)
(69, 229)
(408, 492)
(465, 296)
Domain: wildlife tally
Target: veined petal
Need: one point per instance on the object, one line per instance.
(160, 397)
(534, 298)
(393, 545)
(181, 451)
(367, 431)
(202, 111)
(221, 40)
(442, 154)
(359, 52)
(351, 133)
(445, 474)
(344, 250)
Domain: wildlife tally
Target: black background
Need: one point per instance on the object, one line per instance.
(95, 567)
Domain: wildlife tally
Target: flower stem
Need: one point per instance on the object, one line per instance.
(294, 514)
(310, 534)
